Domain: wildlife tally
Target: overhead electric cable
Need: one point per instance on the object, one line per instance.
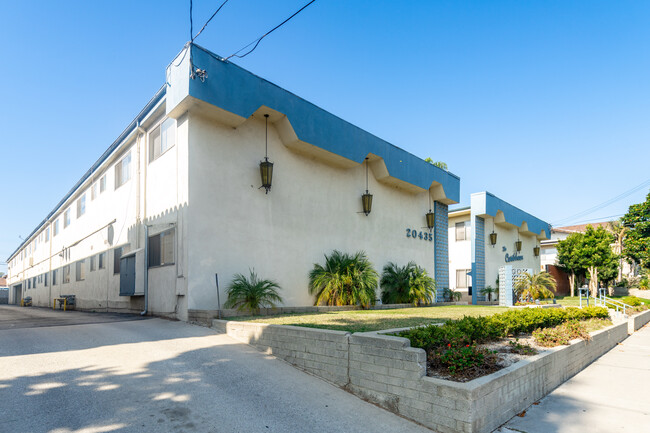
(258, 40)
(208, 21)
(191, 23)
(605, 203)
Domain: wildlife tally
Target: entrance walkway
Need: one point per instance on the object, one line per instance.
(611, 395)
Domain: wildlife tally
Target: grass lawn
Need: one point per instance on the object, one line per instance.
(376, 320)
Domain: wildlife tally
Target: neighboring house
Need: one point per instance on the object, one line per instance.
(474, 261)
(4, 291)
(549, 254)
(176, 199)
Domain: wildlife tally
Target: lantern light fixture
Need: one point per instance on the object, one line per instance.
(431, 217)
(536, 251)
(518, 243)
(366, 199)
(493, 236)
(266, 167)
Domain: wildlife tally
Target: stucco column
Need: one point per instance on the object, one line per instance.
(478, 258)
(441, 231)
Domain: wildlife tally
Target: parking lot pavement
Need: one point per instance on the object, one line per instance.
(163, 376)
(16, 317)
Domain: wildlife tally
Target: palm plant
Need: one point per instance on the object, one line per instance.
(345, 279)
(535, 286)
(488, 291)
(251, 293)
(451, 295)
(408, 284)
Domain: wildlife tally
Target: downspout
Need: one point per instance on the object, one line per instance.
(146, 270)
(141, 192)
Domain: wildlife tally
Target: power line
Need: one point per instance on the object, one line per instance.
(191, 23)
(594, 220)
(605, 203)
(258, 40)
(207, 22)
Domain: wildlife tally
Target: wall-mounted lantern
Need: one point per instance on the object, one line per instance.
(266, 167)
(493, 236)
(518, 244)
(431, 217)
(366, 199)
(536, 251)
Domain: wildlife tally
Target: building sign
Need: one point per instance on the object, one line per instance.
(513, 258)
(414, 234)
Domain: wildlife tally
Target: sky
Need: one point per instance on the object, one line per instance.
(543, 103)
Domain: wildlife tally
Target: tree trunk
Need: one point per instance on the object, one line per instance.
(593, 281)
(572, 283)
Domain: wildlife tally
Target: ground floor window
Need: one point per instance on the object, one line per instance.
(101, 260)
(161, 248)
(66, 274)
(81, 270)
(462, 278)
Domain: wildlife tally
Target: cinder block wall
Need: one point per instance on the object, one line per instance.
(387, 371)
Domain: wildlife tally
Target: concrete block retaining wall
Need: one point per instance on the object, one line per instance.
(385, 370)
(637, 321)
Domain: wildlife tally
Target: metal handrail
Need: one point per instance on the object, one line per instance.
(604, 300)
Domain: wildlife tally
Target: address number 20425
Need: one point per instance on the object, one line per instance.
(414, 234)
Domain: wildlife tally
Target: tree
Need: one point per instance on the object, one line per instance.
(595, 254)
(637, 239)
(619, 231)
(568, 258)
(408, 284)
(438, 164)
(252, 293)
(535, 286)
(344, 280)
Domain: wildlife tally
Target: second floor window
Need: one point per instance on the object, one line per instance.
(123, 171)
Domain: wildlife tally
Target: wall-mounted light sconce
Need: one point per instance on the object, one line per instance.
(266, 167)
(493, 236)
(536, 251)
(431, 217)
(366, 199)
(518, 243)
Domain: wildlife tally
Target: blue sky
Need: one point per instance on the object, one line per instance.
(543, 103)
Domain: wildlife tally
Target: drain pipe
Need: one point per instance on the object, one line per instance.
(146, 270)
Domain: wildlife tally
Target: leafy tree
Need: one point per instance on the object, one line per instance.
(344, 280)
(595, 254)
(438, 164)
(568, 258)
(408, 284)
(488, 291)
(637, 239)
(535, 286)
(619, 231)
(451, 295)
(252, 293)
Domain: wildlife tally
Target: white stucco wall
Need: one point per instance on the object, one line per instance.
(460, 252)
(312, 209)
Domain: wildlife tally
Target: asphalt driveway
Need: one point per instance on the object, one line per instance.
(162, 376)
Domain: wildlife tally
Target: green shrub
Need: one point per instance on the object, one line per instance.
(458, 359)
(631, 300)
(252, 293)
(408, 284)
(561, 335)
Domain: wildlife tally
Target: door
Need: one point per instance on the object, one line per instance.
(127, 276)
(18, 293)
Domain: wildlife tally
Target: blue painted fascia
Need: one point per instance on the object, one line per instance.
(240, 92)
(160, 94)
(485, 203)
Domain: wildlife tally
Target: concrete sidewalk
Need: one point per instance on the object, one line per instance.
(611, 395)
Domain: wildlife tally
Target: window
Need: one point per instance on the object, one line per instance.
(56, 227)
(66, 218)
(117, 255)
(92, 263)
(123, 171)
(81, 205)
(101, 260)
(66, 274)
(463, 231)
(102, 184)
(462, 279)
(45, 279)
(47, 234)
(162, 138)
(161, 248)
(34, 282)
(81, 270)
(93, 191)
(54, 277)
(29, 283)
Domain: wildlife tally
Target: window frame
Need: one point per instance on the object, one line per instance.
(156, 150)
(67, 218)
(81, 205)
(466, 275)
(158, 250)
(122, 167)
(80, 270)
